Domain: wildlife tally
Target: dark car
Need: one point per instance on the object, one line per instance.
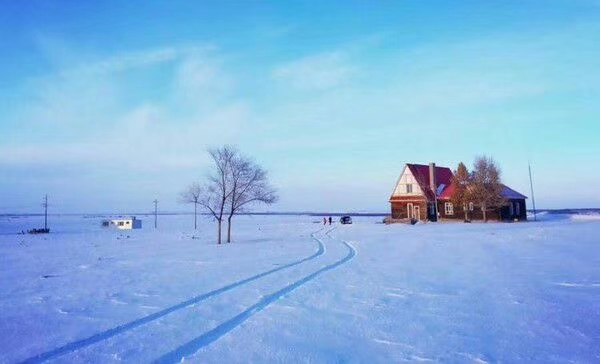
(345, 220)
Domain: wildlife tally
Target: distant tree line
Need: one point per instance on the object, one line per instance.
(234, 183)
(482, 187)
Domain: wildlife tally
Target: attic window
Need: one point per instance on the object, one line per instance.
(409, 188)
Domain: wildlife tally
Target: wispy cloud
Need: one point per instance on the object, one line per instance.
(321, 71)
(126, 114)
(128, 60)
(69, 59)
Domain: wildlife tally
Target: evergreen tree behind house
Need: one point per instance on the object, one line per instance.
(430, 193)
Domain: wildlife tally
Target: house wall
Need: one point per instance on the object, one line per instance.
(499, 214)
(458, 211)
(515, 209)
(399, 208)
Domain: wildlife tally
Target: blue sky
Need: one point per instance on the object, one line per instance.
(108, 106)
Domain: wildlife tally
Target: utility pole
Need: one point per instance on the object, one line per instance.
(532, 196)
(155, 211)
(45, 204)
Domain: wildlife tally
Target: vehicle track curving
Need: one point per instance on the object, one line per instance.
(192, 346)
(107, 334)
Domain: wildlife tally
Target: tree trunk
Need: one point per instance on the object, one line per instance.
(484, 210)
(219, 232)
(195, 215)
(229, 229)
(466, 215)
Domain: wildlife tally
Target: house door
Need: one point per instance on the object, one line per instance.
(409, 210)
(417, 213)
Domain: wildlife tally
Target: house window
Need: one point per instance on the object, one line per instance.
(449, 208)
(408, 188)
(120, 223)
(470, 206)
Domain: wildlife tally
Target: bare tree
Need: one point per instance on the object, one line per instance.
(486, 186)
(461, 196)
(249, 184)
(192, 194)
(217, 188)
(234, 182)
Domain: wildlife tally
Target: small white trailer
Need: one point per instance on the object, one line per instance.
(126, 223)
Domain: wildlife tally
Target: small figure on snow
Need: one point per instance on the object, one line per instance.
(324, 221)
(330, 219)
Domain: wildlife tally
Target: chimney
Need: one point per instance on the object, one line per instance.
(432, 181)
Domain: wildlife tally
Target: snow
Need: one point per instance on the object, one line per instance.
(289, 289)
(592, 216)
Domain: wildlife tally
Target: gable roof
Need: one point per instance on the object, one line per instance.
(443, 175)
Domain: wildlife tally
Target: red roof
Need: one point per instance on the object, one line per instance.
(443, 176)
(507, 192)
(447, 192)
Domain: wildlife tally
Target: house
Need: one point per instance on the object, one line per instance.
(423, 193)
(414, 196)
(126, 223)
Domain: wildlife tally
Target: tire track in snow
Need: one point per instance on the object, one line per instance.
(192, 346)
(105, 335)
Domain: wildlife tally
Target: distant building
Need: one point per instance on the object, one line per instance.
(421, 188)
(126, 223)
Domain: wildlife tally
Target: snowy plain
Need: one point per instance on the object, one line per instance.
(289, 289)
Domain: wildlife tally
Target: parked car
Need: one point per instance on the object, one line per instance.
(345, 220)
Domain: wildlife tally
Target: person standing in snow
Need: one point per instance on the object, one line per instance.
(330, 220)
(324, 221)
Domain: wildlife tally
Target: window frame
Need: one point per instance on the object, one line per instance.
(449, 209)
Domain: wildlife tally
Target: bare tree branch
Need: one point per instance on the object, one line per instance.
(250, 185)
(193, 195)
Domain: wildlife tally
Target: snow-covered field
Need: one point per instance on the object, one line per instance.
(291, 290)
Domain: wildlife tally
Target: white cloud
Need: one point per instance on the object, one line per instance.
(200, 83)
(86, 116)
(322, 71)
(128, 60)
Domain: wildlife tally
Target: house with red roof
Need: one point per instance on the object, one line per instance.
(423, 192)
